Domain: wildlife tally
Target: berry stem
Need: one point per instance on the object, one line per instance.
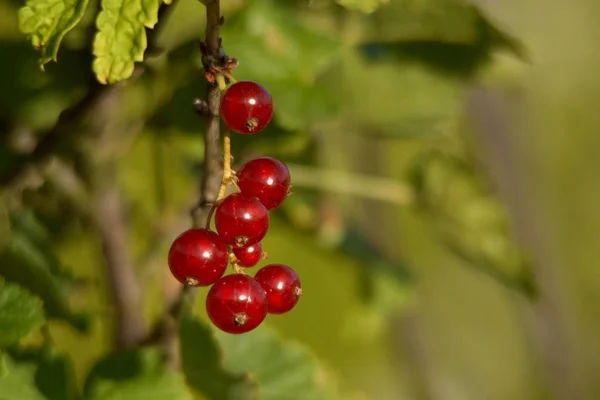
(230, 77)
(212, 58)
(227, 175)
(221, 82)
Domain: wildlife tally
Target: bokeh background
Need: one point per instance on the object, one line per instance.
(444, 156)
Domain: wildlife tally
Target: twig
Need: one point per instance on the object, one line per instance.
(125, 290)
(359, 185)
(210, 180)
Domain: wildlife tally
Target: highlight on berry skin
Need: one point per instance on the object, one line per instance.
(236, 304)
(198, 257)
(241, 220)
(267, 179)
(246, 107)
(282, 286)
(248, 256)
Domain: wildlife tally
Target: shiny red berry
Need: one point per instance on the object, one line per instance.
(241, 220)
(266, 178)
(198, 257)
(248, 256)
(282, 285)
(236, 303)
(246, 107)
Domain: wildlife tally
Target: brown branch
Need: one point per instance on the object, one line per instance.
(209, 183)
(124, 285)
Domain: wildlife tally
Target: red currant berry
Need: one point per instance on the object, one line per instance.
(198, 257)
(241, 220)
(266, 178)
(246, 107)
(282, 285)
(248, 256)
(236, 303)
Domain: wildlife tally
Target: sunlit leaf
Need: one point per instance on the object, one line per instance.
(54, 373)
(48, 21)
(134, 374)
(28, 261)
(18, 381)
(20, 313)
(282, 370)
(121, 37)
(202, 364)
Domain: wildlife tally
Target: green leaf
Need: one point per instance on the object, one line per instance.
(289, 97)
(134, 374)
(28, 261)
(282, 370)
(20, 313)
(18, 381)
(48, 21)
(278, 49)
(448, 21)
(272, 43)
(366, 6)
(459, 59)
(425, 103)
(202, 364)
(54, 374)
(470, 221)
(121, 37)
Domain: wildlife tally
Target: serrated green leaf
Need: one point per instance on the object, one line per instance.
(48, 21)
(54, 374)
(28, 261)
(20, 313)
(121, 37)
(202, 364)
(282, 370)
(18, 381)
(366, 6)
(133, 375)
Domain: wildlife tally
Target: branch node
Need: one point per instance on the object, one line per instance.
(201, 107)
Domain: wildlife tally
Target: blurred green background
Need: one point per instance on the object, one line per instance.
(444, 157)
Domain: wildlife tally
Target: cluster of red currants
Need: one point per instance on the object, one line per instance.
(238, 303)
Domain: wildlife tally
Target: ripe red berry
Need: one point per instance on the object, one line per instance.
(248, 256)
(241, 220)
(198, 257)
(282, 285)
(266, 178)
(236, 303)
(246, 107)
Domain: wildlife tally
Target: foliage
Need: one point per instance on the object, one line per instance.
(134, 374)
(362, 86)
(20, 313)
